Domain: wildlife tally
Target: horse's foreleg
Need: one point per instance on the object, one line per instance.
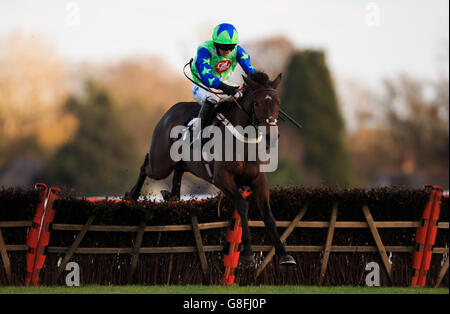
(260, 188)
(242, 208)
(225, 182)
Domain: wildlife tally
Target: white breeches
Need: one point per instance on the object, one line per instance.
(200, 95)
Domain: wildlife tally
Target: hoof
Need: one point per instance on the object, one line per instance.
(167, 196)
(246, 259)
(287, 260)
(130, 197)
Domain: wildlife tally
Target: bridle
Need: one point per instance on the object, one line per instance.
(271, 121)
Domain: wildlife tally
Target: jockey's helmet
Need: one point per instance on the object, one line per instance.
(225, 34)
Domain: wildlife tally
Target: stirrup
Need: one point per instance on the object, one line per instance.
(196, 138)
(193, 123)
(190, 128)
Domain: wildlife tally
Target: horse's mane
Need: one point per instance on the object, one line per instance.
(259, 77)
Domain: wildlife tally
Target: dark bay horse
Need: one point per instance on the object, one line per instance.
(259, 107)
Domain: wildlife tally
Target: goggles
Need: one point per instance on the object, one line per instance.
(225, 47)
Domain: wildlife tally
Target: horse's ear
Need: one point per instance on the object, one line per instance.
(253, 85)
(274, 84)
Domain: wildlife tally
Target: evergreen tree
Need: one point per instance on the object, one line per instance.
(101, 159)
(309, 95)
(287, 173)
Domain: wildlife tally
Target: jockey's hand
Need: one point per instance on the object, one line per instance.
(227, 89)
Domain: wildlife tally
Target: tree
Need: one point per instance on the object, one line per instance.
(417, 115)
(33, 88)
(101, 159)
(309, 95)
(270, 55)
(287, 173)
(142, 90)
(402, 135)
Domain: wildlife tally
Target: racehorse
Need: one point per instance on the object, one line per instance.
(258, 106)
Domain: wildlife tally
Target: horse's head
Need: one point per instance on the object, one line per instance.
(263, 102)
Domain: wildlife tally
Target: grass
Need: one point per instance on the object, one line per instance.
(191, 289)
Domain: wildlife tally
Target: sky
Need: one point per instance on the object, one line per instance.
(365, 40)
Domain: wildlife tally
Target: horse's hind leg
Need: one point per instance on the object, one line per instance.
(174, 195)
(176, 181)
(136, 189)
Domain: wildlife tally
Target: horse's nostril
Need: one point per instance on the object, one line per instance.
(271, 121)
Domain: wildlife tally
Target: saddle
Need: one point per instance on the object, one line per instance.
(212, 119)
(219, 108)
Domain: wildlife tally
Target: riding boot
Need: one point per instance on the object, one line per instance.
(206, 110)
(204, 115)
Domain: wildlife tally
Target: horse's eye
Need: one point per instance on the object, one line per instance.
(255, 103)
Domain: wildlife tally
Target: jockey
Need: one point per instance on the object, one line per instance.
(215, 61)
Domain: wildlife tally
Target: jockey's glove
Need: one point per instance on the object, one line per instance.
(227, 89)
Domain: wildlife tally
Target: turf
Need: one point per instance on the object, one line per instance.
(194, 289)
